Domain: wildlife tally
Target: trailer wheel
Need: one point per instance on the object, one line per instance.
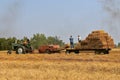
(97, 52)
(106, 52)
(77, 52)
(67, 52)
(20, 50)
(47, 51)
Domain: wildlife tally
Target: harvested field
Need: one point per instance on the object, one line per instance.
(83, 66)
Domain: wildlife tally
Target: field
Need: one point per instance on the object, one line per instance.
(83, 66)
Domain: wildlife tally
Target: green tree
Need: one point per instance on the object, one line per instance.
(2, 43)
(10, 41)
(119, 44)
(54, 40)
(38, 40)
(6, 44)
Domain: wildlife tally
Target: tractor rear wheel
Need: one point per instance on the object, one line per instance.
(20, 50)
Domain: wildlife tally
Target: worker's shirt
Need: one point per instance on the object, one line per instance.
(79, 38)
(71, 40)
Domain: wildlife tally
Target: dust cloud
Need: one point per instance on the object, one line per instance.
(112, 21)
(9, 18)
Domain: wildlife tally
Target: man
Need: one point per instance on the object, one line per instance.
(71, 42)
(79, 38)
(27, 43)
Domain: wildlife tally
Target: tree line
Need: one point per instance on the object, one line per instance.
(118, 45)
(36, 41)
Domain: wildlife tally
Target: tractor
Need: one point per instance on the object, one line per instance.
(22, 48)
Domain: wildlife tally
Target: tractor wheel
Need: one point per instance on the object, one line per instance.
(20, 50)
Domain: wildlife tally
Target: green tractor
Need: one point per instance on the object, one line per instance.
(22, 48)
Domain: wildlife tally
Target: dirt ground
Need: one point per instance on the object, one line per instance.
(60, 66)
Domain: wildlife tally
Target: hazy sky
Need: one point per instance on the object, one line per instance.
(52, 17)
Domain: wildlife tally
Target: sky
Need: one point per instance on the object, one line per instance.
(60, 18)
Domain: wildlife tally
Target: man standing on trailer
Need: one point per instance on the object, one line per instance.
(71, 42)
(79, 38)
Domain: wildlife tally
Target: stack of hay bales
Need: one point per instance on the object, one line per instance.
(67, 45)
(97, 40)
(78, 45)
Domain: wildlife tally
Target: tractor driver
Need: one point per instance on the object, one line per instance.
(27, 43)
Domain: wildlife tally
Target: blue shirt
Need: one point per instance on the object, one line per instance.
(71, 40)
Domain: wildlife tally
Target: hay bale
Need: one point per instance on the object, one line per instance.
(78, 46)
(98, 39)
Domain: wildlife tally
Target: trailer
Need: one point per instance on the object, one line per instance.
(96, 51)
(98, 41)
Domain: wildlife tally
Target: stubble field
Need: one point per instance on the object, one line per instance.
(60, 66)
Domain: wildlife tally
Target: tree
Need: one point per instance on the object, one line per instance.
(119, 44)
(6, 44)
(2, 43)
(9, 42)
(38, 40)
(54, 40)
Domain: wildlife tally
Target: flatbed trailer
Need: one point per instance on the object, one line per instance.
(96, 51)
